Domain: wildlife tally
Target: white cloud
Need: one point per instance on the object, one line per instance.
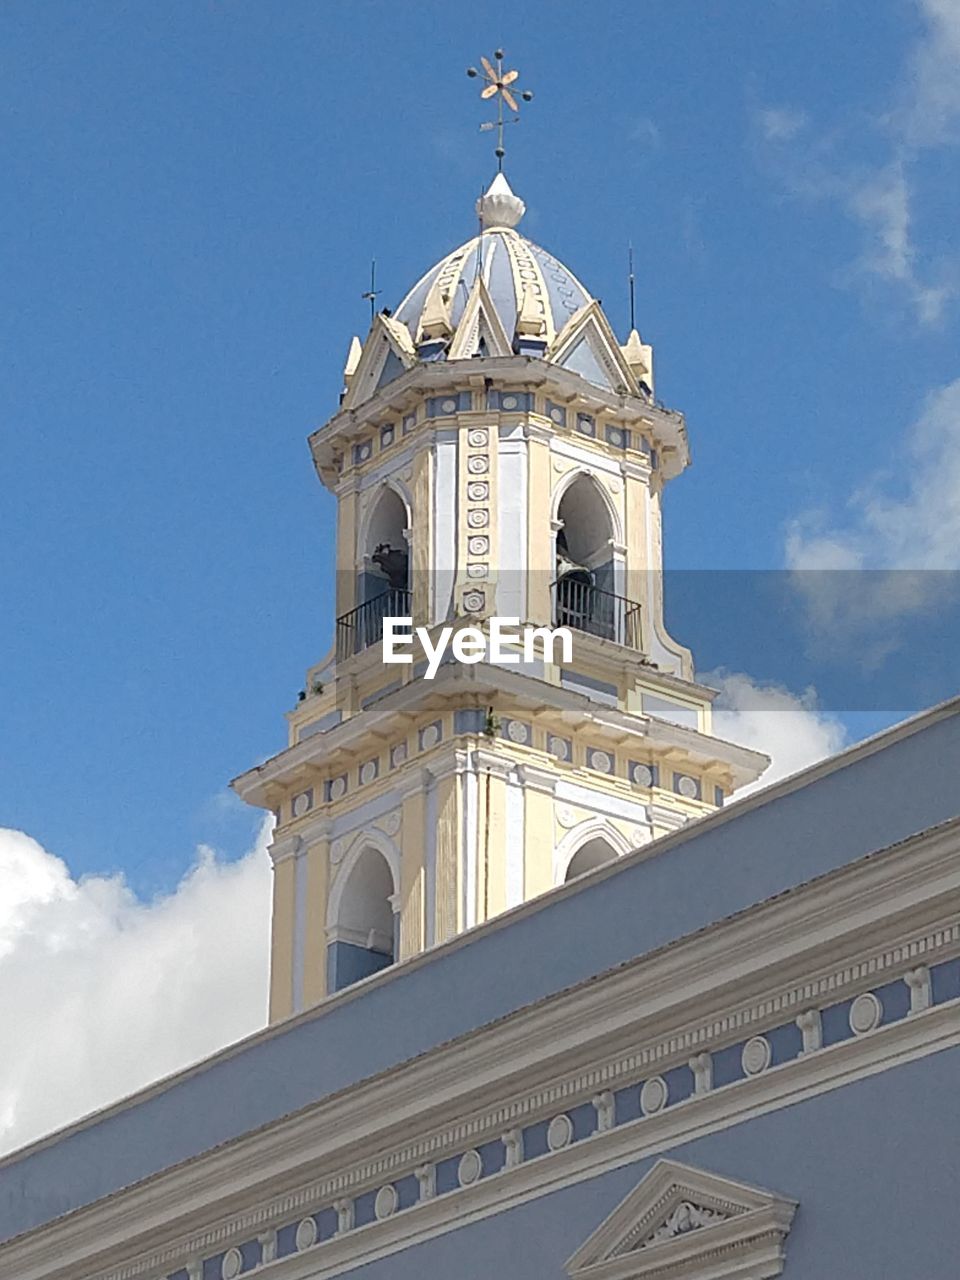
(930, 114)
(645, 132)
(893, 551)
(781, 124)
(881, 202)
(789, 728)
(917, 528)
(102, 993)
(881, 199)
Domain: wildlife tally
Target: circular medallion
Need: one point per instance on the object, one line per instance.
(385, 1205)
(477, 439)
(430, 737)
(509, 402)
(474, 601)
(391, 823)
(640, 835)
(306, 1234)
(653, 1095)
(232, 1264)
(477, 465)
(301, 804)
(865, 1013)
(559, 747)
(398, 754)
(478, 571)
(600, 761)
(558, 416)
(687, 786)
(368, 771)
(337, 787)
(518, 732)
(337, 850)
(449, 405)
(756, 1056)
(478, 545)
(469, 1168)
(641, 775)
(478, 519)
(559, 1133)
(478, 490)
(565, 815)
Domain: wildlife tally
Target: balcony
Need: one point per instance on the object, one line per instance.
(363, 626)
(583, 607)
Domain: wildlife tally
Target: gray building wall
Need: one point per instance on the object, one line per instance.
(873, 802)
(875, 1166)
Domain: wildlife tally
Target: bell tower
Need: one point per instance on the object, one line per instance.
(497, 453)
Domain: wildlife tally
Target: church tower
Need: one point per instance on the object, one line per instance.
(497, 452)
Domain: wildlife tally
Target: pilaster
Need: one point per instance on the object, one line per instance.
(413, 845)
(317, 881)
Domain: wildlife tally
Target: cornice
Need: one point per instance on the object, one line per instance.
(482, 678)
(526, 372)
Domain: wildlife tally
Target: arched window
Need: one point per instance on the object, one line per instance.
(584, 585)
(363, 937)
(595, 853)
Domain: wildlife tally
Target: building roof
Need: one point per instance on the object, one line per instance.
(508, 263)
(868, 798)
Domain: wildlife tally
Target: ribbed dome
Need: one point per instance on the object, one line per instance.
(533, 294)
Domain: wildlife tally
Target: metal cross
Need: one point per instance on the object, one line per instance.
(497, 84)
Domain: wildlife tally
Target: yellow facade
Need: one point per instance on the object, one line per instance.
(515, 481)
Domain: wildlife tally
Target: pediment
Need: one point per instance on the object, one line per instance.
(480, 331)
(682, 1221)
(387, 353)
(586, 345)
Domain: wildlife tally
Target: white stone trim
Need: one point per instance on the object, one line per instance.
(369, 839)
(515, 837)
(684, 1223)
(571, 844)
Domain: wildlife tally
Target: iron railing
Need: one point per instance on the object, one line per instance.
(363, 626)
(587, 608)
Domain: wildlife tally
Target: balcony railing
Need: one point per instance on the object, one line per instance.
(584, 607)
(363, 626)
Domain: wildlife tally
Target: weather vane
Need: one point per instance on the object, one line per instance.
(497, 84)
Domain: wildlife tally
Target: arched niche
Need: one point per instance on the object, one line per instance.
(585, 573)
(596, 852)
(384, 554)
(362, 928)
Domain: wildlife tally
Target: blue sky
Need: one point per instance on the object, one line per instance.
(192, 195)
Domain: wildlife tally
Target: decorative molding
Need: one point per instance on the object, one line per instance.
(682, 1222)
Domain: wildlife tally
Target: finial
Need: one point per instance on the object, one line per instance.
(497, 84)
(373, 292)
(499, 207)
(632, 285)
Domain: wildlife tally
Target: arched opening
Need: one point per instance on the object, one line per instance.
(595, 853)
(386, 561)
(383, 583)
(363, 939)
(584, 588)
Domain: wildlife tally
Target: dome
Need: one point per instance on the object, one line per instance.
(533, 294)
